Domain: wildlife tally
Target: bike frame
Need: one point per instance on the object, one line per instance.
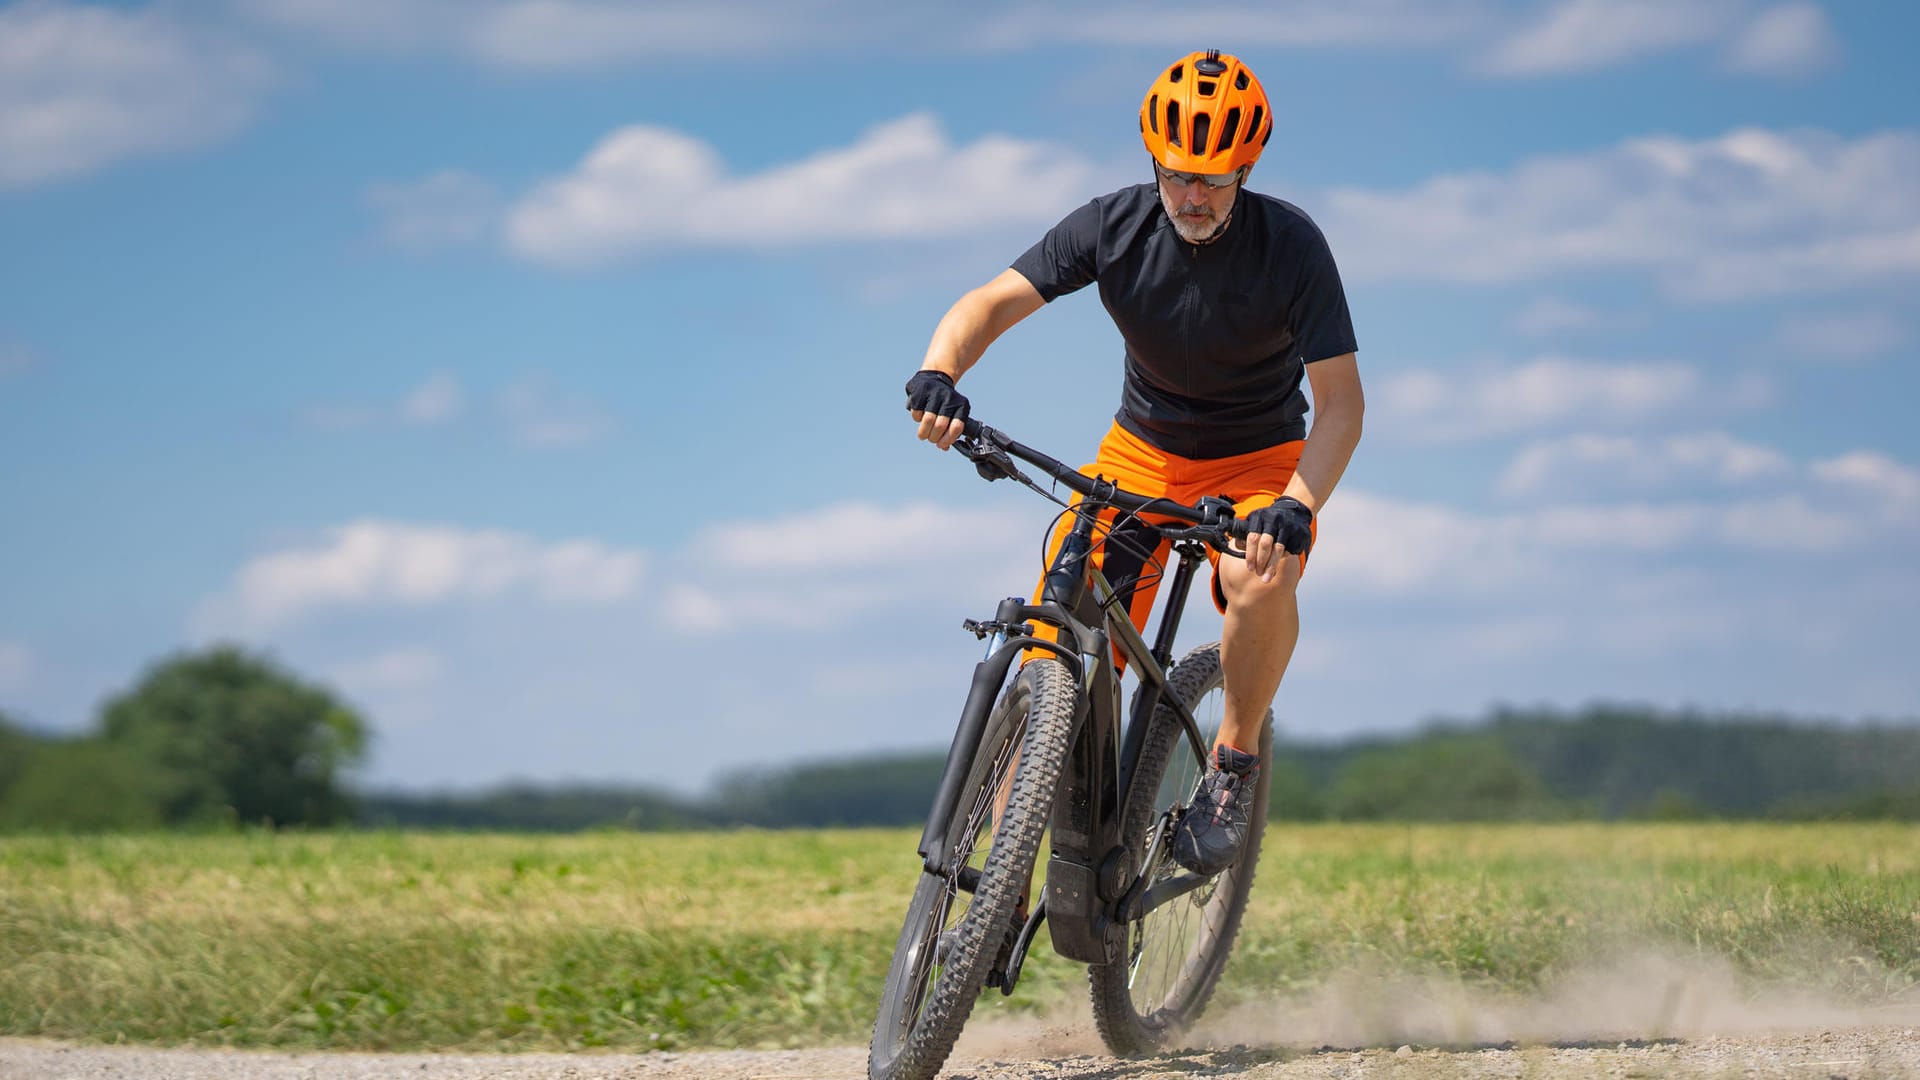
(1093, 891)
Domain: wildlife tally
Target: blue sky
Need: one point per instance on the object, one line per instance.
(530, 371)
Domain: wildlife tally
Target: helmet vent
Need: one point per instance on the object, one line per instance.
(1153, 113)
(1202, 123)
(1177, 71)
(1227, 131)
(1240, 79)
(1258, 112)
(1206, 87)
(1173, 123)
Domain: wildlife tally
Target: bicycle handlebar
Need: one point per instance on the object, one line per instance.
(1211, 520)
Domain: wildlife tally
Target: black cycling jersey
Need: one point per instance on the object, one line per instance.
(1216, 334)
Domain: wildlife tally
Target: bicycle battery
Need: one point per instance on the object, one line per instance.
(1076, 916)
(1085, 829)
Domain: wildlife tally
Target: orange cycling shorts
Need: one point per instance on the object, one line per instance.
(1133, 557)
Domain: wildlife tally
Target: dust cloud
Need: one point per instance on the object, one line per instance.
(1642, 997)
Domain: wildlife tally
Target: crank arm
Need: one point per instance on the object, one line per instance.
(1034, 918)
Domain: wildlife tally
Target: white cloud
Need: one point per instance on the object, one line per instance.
(450, 208)
(1371, 544)
(558, 35)
(373, 563)
(1848, 335)
(1791, 39)
(409, 668)
(553, 35)
(17, 664)
(825, 566)
(1588, 463)
(1748, 214)
(433, 402)
(571, 35)
(1897, 486)
(1586, 35)
(83, 87)
(575, 35)
(776, 655)
(1551, 391)
(537, 415)
(646, 189)
(853, 535)
(807, 569)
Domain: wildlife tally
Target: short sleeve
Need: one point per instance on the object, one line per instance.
(1322, 326)
(1066, 258)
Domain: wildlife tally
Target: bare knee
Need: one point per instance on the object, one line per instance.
(1244, 589)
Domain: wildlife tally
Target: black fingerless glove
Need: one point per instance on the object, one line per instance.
(1288, 521)
(933, 392)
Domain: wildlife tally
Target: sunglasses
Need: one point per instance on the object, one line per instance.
(1212, 180)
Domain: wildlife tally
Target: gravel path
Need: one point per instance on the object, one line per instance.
(1855, 1054)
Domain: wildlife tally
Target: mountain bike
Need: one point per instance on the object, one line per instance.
(1039, 748)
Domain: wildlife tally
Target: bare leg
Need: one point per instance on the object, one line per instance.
(1262, 626)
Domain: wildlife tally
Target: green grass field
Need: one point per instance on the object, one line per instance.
(736, 939)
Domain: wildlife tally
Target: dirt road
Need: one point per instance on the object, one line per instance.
(1855, 1054)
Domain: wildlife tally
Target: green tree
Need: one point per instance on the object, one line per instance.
(1292, 795)
(880, 789)
(83, 785)
(16, 748)
(1438, 778)
(232, 736)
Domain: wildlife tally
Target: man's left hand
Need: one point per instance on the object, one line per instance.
(1286, 526)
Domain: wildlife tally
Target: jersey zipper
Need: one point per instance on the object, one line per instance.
(1188, 296)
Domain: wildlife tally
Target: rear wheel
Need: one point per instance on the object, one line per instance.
(958, 921)
(1176, 953)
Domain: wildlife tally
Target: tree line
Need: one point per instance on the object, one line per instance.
(219, 737)
(225, 737)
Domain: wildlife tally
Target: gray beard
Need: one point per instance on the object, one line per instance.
(1185, 231)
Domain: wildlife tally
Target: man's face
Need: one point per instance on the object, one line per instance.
(1197, 209)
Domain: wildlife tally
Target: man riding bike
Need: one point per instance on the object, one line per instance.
(1224, 298)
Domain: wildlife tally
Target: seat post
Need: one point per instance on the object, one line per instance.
(1177, 591)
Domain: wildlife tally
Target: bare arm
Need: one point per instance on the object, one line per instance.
(977, 319)
(969, 326)
(1338, 405)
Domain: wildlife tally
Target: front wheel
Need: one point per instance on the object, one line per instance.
(1176, 953)
(958, 921)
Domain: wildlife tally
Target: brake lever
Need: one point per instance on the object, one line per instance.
(990, 461)
(1216, 526)
(1213, 536)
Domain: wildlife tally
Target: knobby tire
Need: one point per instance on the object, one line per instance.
(924, 1004)
(1184, 944)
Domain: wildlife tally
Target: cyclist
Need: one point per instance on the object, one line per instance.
(1224, 298)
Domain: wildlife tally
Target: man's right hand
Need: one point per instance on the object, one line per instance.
(940, 409)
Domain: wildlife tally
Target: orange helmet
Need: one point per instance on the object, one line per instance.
(1206, 114)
